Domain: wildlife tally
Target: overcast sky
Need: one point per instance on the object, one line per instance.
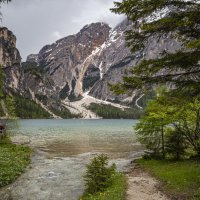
(40, 22)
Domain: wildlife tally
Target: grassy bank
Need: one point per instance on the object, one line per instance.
(116, 191)
(13, 161)
(179, 178)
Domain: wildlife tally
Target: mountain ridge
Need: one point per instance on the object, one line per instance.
(81, 65)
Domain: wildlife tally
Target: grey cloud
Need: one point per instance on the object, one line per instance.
(40, 22)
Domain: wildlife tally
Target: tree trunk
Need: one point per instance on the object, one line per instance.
(163, 142)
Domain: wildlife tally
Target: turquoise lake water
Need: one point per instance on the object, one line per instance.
(71, 137)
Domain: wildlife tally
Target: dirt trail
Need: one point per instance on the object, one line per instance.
(141, 186)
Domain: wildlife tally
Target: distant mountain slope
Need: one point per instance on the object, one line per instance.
(82, 65)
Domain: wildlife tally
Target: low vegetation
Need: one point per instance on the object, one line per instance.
(31, 67)
(103, 182)
(111, 112)
(13, 161)
(64, 113)
(28, 109)
(180, 179)
(116, 191)
(170, 131)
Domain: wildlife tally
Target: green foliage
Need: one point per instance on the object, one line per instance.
(181, 23)
(172, 123)
(111, 112)
(33, 69)
(1, 82)
(148, 95)
(10, 106)
(2, 114)
(7, 102)
(42, 98)
(13, 161)
(179, 178)
(99, 176)
(28, 109)
(197, 195)
(64, 113)
(116, 191)
(176, 144)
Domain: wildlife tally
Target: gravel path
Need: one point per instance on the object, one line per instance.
(141, 186)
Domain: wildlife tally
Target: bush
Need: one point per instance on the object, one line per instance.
(99, 175)
(116, 191)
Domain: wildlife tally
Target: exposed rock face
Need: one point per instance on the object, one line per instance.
(9, 55)
(77, 65)
(10, 59)
(115, 59)
(84, 62)
(32, 58)
(88, 61)
(67, 63)
(91, 76)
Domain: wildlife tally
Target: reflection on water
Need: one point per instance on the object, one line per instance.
(73, 137)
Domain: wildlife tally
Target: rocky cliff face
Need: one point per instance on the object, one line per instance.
(9, 55)
(88, 61)
(116, 59)
(10, 59)
(81, 63)
(67, 64)
(77, 67)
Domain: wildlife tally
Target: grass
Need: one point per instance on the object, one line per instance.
(179, 178)
(116, 191)
(13, 161)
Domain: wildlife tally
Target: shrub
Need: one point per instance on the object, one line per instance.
(98, 175)
(13, 161)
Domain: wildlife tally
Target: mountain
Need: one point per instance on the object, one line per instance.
(67, 61)
(13, 74)
(10, 59)
(75, 71)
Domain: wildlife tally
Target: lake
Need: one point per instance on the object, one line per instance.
(72, 137)
(62, 150)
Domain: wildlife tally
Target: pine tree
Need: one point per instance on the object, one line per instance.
(98, 176)
(181, 22)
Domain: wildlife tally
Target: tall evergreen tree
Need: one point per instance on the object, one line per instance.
(182, 22)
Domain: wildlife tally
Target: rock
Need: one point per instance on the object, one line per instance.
(66, 64)
(76, 64)
(9, 55)
(10, 59)
(32, 58)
